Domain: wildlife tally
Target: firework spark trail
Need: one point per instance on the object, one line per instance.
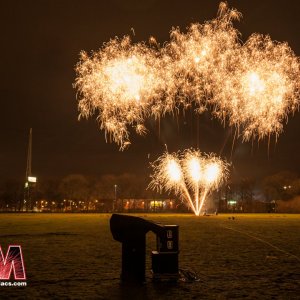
(188, 197)
(202, 200)
(189, 172)
(252, 86)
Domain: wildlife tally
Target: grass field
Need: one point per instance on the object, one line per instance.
(73, 256)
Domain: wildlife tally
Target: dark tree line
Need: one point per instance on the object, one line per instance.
(76, 188)
(281, 186)
(11, 194)
(78, 192)
(248, 195)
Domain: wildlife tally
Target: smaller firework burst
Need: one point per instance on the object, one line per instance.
(190, 174)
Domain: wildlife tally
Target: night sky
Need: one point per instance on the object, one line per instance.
(40, 45)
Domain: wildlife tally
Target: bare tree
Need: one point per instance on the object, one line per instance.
(11, 195)
(74, 188)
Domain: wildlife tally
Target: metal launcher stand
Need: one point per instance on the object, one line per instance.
(131, 232)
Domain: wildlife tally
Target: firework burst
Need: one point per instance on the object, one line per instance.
(253, 86)
(194, 58)
(258, 88)
(191, 175)
(119, 83)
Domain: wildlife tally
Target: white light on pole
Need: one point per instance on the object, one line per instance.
(32, 179)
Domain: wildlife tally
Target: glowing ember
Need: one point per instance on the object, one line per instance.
(190, 174)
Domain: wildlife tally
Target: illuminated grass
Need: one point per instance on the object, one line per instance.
(74, 256)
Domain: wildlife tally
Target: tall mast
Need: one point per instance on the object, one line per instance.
(30, 180)
(29, 155)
